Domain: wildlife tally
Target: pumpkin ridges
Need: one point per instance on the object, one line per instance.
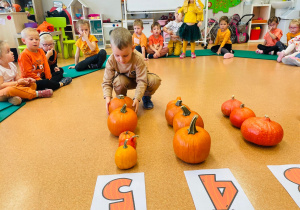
(229, 105)
(239, 115)
(172, 110)
(126, 156)
(119, 101)
(180, 120)
(173, 101)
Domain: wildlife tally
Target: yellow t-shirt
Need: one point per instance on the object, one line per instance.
(85, 48)
(193, 14)
(223, 38)
(139, 40)
(290, 36)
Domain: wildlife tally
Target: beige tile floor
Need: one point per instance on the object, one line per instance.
(52, 150)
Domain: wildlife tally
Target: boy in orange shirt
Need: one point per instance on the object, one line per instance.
(156, 47)
(139, 39)
(33, 62)
(87, 43)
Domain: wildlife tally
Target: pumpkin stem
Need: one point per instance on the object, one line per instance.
(232, 97)
(266, 116)
(185, 110)
(123, 110)
(192, 129)
(134, 136)
(126, 132)
(120, 96)
(125, 144)
(179, 103)
(242, 106)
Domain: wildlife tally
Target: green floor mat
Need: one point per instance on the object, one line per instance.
(4, 105)
(73, 73)
(197, 52)
(9, 110)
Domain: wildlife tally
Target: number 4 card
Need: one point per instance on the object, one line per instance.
(216, 189)
(121, 191)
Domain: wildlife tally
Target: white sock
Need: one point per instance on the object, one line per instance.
(37, 93)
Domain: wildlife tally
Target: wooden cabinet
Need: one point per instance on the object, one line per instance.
(260, 11)
(37, 7)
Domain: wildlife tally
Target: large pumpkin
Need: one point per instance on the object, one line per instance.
(192, 144)
(262, 131)
(173, 101)
(230, 105)
(239, 115)
(126, 156)
(119, 101)
(171, 110)
(122, 119)
(183, 118)
(130, 141)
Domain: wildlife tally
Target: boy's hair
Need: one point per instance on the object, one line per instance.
(138, 22)
(296, 22)
(45, 37)
(155, 24)
(2, 43)
(82, 22)
(121, 38)
(26, 31)
(176, 10)
(224, 18)
(274, 19)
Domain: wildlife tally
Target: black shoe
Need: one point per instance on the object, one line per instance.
(147, 102)
(66, 80)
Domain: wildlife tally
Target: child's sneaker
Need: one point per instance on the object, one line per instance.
(16, 100)
(66, 80)
(182, 55)
(271, 53)
(45, 93)
(259, 51)
(228, 55)
(193, 55)
(280, 56)
(295, 61)
(147, 102)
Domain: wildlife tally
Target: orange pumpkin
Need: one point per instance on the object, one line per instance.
(173, 101)
(239, 115)
(262, 131)
(125, 135)
(183, 118)
(171, 110)
(192, 144)
(119, 101)
(126, 156)
(122, 119)
(131, 141)
(230, 105)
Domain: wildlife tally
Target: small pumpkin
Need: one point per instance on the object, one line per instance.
(131, 141)
(125, 135)
(230, 105)
(192, 143)
(239, 115)
(183, 118)
(119, 101)
(172, 109)
(126, 156)
(173, 101)
(262, 131)
(122, 119)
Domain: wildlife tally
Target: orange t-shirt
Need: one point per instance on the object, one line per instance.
(271, 42)
(84, 47)
(34, 64)
(154, 41)
(139, 40)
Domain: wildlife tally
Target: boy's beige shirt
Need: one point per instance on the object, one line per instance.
(135, 68)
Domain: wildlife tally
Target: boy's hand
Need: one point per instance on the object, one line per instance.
(145, 59)
(49, 53)
(199, 24)
(107, 99)
(136, 105)
(71, 67)
(23, 81)
(170, 32)
(56, 69)
(30, 80)
(219, 51)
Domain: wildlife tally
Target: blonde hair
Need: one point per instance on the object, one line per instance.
(2, 43)
(296, 22)
(45, 37)
(82, 22)
(138, 22)
(178, 8)
(121, 38)
(26, 31)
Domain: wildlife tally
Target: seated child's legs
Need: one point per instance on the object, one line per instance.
(123, 83)
(18, 90)
(164, 51)
(47, 84)
(280, 46)
(93, 62)
(101, 58)
(171, 47)
(153, 82)
(178, 47)
(215, 48)
(139, 48)
(57, 76)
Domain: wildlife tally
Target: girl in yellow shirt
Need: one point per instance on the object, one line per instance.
(189, 30)
(223, 44)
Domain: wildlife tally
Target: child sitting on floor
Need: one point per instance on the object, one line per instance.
(139, 39)
(172, 28)
(87, 43)
(33, 61)
(47, 44)
(156, 47)
(126, 69)
(273, 35)
(13, 88)
(293, 58)
(223, 44)
(294, 28)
